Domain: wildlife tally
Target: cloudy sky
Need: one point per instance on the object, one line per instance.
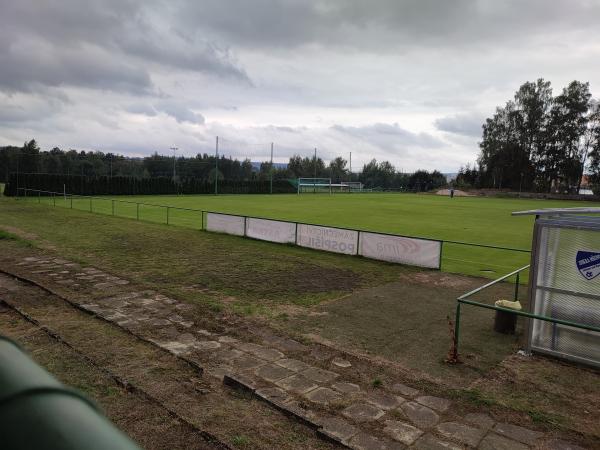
(409, 81)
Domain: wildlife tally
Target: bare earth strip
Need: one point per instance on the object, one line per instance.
(203, 402)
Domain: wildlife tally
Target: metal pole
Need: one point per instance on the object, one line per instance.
(517, 287)
(54, 199)
(137, 211)
(216, 165)
(315, 178)
(174, 160)
(350, 166)
(39, 197)
(71, 201)
(271, 187)
(18, 154)
(168, 215)
(456, 331)
(90, 204)
(113, 207)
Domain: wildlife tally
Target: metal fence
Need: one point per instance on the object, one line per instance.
(465, 300)
(451, 252)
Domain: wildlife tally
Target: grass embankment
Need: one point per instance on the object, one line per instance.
(248, 274)
(478, 220)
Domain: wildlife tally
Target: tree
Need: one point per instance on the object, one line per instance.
(566, 128)
(337, 169)
(536, 140)
(592, 146)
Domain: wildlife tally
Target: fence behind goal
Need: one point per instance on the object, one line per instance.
(325, 185)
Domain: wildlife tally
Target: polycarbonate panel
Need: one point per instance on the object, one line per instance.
(569, 259)
(563, 340)
(567, 287)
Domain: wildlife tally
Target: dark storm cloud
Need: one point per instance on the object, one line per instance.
(384, 24)
(111, 45)
(27, 66)
(175, 109)
(465, 124)
(390, 136)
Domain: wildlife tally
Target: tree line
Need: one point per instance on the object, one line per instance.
(539, 142)
(195, 173)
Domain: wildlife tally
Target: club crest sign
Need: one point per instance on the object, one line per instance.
(588, 264)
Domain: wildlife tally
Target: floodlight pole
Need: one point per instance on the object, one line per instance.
(18, 155)
(315, 178)
(216, 165)
(174, 160)
(350, 166)
(271, 183)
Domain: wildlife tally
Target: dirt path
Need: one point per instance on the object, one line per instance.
(207, 414)
(156, 344)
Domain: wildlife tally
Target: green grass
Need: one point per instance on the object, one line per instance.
(204, 267)
(479, 220)
(4, 235)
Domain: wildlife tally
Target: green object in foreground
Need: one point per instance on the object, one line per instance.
(38, 412)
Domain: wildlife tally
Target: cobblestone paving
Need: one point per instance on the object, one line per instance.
(280, 372)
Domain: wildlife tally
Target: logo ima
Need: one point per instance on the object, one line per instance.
(588, 264)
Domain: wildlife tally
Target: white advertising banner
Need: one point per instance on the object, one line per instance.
(224, 223)
(403, 250)
(271, 230)
(329, 239)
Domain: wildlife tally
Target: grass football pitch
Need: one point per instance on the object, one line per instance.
(479, 220)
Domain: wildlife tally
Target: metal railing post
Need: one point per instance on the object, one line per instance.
(137, 211)
(90, 204)
(54, 199)
(168, 215)
(71, 201)
(113, 207)
(39, 197)
(517, 287)
(456, 331)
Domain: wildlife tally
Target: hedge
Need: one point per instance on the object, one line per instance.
(101, 185)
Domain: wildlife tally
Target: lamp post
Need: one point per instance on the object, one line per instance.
(18, 155)
(174, 160)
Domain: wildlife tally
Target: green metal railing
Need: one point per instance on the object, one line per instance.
(463, 300)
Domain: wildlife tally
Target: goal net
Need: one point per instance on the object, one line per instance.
(350, 186)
